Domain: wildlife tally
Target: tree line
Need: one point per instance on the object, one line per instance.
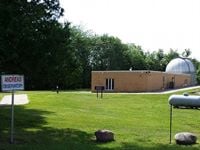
(48, 53)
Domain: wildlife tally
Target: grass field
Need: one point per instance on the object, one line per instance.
(68, 121)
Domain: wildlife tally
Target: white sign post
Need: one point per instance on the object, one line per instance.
(12, 83)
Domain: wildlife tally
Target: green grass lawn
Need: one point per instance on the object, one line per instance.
(68, 121)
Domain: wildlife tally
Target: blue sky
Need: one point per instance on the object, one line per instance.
(152, 24)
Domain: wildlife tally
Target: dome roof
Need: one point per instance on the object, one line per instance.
(180, 65)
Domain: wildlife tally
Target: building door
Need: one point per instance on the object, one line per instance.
(109, 84)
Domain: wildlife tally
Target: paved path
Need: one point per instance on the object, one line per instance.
(179, 90)
(170, 91)
(19, 99)
(162, 92)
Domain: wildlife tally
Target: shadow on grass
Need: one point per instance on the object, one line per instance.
(131, 146)
(31, 133)
(23, 119)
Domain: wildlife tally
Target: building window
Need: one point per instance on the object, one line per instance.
(109, 84)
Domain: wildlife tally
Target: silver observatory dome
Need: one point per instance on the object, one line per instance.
(182, 66)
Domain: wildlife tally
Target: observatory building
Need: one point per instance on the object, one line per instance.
(180, 72)
(182, 66)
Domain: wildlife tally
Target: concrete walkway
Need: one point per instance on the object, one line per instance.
(179, 90)
(162, 92)
(19, 99)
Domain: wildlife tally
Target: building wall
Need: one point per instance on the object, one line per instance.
(155, 81)
(124, 81)
(162, 81)
(183, 80)
(139, 81)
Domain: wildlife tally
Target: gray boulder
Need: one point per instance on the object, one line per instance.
(185, 138)
(104, 135)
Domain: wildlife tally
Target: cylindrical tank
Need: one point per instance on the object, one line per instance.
(184, 101)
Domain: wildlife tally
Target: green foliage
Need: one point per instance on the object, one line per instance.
(68, 120)
(186, 53)
(108, 53)
(81, 43)
(137, 57)
(49, 53)
(198, 73)
(33, 43)
(158, 60)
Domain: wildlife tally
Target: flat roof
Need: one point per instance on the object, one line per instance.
(127, 71)
(138, 71)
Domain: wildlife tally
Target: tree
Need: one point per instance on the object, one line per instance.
(33, 42)
(198, 74)
(186, 53)
(137, 57)
(158, 60)
(196, 64)
(108, 53)
(151, 62)
(81, 45)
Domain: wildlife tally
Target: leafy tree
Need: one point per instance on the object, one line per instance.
(186, 53)
(33, 42)
(108, 53)
(81, 45)
(158, 60)
(198, 74)
(196, 64)
(171, 55)
(137, 57)
(151, 63)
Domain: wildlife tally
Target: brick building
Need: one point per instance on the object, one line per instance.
(179, 73)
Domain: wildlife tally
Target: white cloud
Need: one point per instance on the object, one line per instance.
(153, 24)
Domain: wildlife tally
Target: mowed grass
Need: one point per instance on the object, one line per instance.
(68, 121)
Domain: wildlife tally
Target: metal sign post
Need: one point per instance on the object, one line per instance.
(12, 83)
(170, 130)
(12, 120)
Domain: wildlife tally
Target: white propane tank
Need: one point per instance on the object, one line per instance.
(184, 101)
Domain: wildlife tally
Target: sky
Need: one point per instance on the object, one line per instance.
(152, 24)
